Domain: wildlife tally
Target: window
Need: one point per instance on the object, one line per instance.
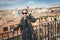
(51, 18)
(41, 18)
(12, 27)
(45, 18)
(5, 29)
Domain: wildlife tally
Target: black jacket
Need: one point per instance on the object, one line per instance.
(26, 23)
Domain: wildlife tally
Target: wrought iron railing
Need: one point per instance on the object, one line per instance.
(44, 31)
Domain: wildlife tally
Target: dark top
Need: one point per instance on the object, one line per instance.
(25, 24)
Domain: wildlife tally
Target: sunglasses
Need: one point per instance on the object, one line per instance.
(24, 13)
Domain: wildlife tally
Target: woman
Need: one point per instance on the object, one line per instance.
(25, 25)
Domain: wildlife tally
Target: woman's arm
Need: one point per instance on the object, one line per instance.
(32, 18)
(19, 25)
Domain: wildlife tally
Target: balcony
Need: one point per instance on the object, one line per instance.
(48, 30)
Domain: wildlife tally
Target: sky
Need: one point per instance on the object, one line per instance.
(13, 4)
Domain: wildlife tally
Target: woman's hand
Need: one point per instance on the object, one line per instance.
(28, 14)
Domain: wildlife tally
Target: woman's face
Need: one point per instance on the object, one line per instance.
(24, 13)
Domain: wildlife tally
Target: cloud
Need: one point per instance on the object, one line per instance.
(9, 1)
(24, 3)
(30, 2)
(55, 3)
